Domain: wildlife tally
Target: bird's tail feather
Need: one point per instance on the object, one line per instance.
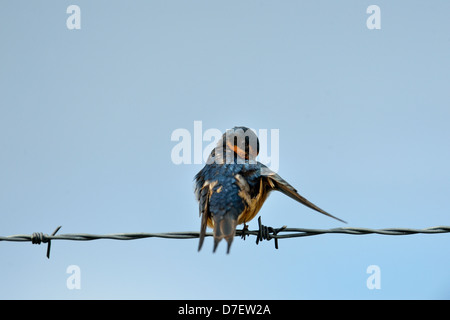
(224, 228)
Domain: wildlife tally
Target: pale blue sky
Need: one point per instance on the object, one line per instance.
(86, 118)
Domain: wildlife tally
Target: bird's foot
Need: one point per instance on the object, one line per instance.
(244, 231)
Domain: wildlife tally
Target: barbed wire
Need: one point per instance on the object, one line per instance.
(263, 233)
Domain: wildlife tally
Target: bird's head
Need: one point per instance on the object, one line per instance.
(242, 142)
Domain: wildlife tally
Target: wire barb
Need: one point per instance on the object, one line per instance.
(39, 237)
(264, 233)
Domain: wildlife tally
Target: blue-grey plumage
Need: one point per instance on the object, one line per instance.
(233, 186)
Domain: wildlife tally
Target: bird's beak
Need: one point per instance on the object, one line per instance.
(241, 153)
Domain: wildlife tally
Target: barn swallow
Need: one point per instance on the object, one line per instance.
(232, 186)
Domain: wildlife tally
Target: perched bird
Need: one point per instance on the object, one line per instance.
(232, 186)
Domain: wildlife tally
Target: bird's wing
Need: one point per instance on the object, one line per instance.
(202, 194)
(204, 212)
(275, 182)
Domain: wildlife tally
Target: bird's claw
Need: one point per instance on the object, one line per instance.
(244, 231)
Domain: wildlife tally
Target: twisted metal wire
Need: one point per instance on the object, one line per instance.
(38, 238)
(263, 233)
